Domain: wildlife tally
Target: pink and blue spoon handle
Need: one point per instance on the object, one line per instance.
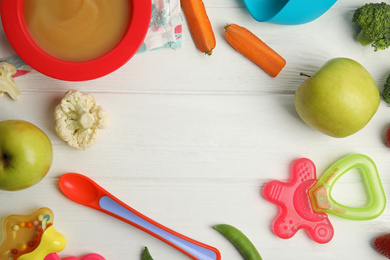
(85, 191)
(194, 250)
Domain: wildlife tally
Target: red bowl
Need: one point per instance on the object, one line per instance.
(17, 33)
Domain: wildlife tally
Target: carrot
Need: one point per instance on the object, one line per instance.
(199, 25)
(254, 49)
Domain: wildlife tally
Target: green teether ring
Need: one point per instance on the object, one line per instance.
(320, 193)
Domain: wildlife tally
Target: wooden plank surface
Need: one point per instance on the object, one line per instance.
(193, 139)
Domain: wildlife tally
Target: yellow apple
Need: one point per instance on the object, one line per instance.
(339, 99)
(26, 154)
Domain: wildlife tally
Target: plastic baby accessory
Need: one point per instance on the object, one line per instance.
(288, 12)
(33, 237)
(322, 200)
(30, 237)
(85, 191)
(51, 241)
(296, 211)
(86, 257)
(304, 201)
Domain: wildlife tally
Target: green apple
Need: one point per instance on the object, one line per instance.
(26, 154)
(339, 99)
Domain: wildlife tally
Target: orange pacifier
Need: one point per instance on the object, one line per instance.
(305, 202)
(33, 237)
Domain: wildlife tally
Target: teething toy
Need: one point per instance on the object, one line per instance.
(305, 202)
(86, 257)
(33, 237)
(322, 200)
(288, 12)
(296, 209)
(51, 241)
(22, 234)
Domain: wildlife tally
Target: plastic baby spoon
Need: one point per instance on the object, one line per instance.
(85, 191)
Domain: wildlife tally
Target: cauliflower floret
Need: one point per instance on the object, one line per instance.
(79, 119)
(7, 84)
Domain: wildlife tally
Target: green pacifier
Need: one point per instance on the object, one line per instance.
(320, 193)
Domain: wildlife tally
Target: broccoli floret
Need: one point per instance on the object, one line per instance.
(374, 20)
(386, 91)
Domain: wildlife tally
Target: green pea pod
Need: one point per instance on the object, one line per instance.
(240, 241)
(146, 255)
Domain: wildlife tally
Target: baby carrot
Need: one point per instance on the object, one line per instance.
(254, 49)
(199, 25)
(240, 241)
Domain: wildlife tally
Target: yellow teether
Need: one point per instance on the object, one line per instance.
(30, 237)
(51, 242)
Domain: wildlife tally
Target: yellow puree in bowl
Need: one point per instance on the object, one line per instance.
(77, 30)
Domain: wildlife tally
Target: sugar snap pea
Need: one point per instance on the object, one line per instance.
(240, 241)
(146, 255)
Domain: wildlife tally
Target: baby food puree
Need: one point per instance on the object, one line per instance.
(77, 30)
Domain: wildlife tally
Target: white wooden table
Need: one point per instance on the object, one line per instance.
(193, 139)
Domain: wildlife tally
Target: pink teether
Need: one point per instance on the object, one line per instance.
(296, 211)
(86, 257)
